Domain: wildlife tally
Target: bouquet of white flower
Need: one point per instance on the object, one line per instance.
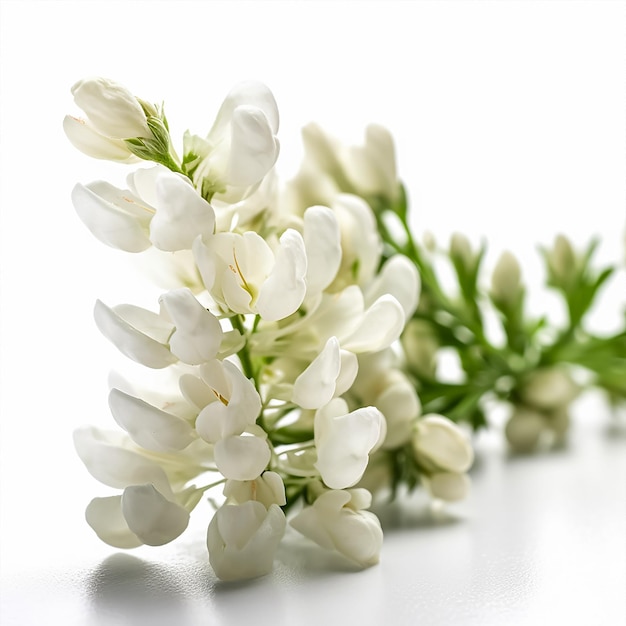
(290, 392)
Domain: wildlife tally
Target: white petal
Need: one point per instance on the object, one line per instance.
(322, 240)
(242, 458)
(284, 290)
(344, 443)
(182, 214)
(348, 373)
(153, 518)
(206, 262)
(253, 147)
(115, 466)
(105, 516)
(88, 140)
(399, 278)
(118, 227)
(379, 327)
(246, 93)
(198, 333)
(135, 344)
(148, 426)
(315, 387)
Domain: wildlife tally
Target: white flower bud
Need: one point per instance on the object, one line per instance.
(440, 444)
(562, 262)
(111, 108)
(524, 429)
(242, 539)
(506, 280)
(548, 389)
(461, 249)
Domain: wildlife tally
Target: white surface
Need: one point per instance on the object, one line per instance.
(541, 540)
(509, 122)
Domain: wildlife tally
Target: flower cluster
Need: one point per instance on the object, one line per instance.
(531, 371)
(288, 388)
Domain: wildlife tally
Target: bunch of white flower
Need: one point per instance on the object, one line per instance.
(279, 342)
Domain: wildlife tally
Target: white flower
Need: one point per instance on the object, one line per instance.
(111, 108)
(440, 445)
(229, 401)
(241, 147)
(337, 521)
(243, 273)
(189, 333)
(344, 440)
(242, 539)
(149, 510)
(113, 115)
(161, 209)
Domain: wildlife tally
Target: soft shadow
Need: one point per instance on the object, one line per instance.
(125, 590)
(414, 514)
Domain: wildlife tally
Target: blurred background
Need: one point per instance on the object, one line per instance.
(509, 124)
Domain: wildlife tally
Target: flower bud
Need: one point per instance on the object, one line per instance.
(506, 284)
(461, 250)
(548, 389)
(440, 445)
(111, 108)
(562, 262)
(524, 429)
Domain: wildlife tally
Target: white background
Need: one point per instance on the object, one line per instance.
(509, 123)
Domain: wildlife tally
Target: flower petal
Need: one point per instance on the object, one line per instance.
(253, 147)
(130, 341)
(284, 290)
(182, 214)
(344, 442)
(109, 462)
(99, 206)
(148, 426)
(315, 387)
(105, 516)
(241, 457)
(84, 137)
(198, 333)
(381, 324)
(153, 518)
(322, 241)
